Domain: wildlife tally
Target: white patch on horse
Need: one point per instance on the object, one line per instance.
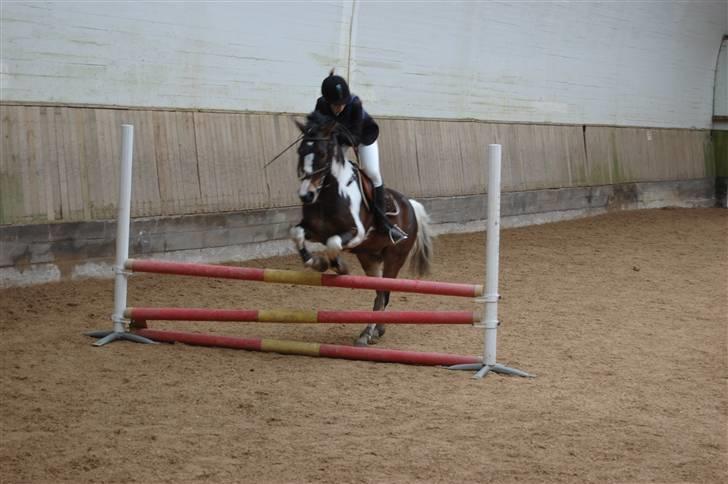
(308, 163)
(298, 235)
(344, 173)
(333, 246)
(304, 188)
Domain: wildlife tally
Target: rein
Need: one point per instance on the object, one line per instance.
(284, 150)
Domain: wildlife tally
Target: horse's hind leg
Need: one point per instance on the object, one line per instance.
(388, 265)
(373, 266)
(372, 333)
(380, 304)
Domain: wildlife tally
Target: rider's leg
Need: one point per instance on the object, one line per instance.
(369, 156)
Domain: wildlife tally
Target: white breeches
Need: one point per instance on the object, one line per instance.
(369, 157)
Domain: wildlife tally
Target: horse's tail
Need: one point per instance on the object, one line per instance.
(420, 258)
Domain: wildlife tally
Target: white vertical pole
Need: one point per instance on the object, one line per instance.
(122, 248)
(122, 227)
(491, 296)
(492, 249)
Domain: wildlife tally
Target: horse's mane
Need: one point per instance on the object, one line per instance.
(316, 121)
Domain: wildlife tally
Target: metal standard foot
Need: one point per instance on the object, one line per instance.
(485, 369)
(109, 336)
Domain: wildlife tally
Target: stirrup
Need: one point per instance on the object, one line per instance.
(397, 235)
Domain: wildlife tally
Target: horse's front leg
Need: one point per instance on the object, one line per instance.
(334, 246)
(316, 262)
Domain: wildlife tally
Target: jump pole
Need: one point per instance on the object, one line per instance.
(122, 247)
(492, 249)
(139, 315)
(310, 349)
(283, 276)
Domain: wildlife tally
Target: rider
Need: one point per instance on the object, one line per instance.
(336, 101)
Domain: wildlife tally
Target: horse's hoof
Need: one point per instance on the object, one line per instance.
(340, 268)
(361, 341)
(320, 264)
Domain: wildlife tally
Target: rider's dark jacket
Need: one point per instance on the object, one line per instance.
(364, 130)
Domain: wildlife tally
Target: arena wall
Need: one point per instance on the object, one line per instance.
(719, 136)
(598, 107)
(624, 64)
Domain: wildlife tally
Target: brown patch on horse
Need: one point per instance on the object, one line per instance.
(367, 189)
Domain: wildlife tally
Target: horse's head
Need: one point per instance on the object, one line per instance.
(315, 154)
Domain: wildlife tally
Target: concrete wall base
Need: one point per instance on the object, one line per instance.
(33, 254)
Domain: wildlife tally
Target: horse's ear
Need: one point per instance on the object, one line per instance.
(300, 125)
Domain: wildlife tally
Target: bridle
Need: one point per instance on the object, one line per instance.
(326, 168)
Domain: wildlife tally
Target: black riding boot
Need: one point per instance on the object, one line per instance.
(396, 234)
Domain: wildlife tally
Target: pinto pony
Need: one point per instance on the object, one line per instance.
(336, 213)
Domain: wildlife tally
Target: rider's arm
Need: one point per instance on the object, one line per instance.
(322, 107)
(355, 123)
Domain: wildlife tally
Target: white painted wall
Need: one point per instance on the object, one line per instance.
(720, 104)
(647, 63)
(241, 56)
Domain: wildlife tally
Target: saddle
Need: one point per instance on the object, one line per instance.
(367, 189)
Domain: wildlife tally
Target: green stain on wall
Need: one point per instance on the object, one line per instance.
(618, 172)
(599, 174)
(716, 154)
(11, 197)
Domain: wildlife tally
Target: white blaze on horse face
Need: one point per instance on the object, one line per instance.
(308, 163)
(306, 185)
(344, 174)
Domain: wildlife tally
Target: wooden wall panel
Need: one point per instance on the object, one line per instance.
(48, 149)
(232, 151)
(176, 162)
(473, 141)
(11, 203)
(268, 136)
(146, 200)
(61, 163)
(210, 158)
(398, 156)
(601, 146)
(108, 139)
(514, 173)
(438, 158)
(73, 206)
(641, 154)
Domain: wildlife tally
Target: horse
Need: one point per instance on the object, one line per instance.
(333, 192)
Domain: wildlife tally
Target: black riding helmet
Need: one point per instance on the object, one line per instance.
(335, 90)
